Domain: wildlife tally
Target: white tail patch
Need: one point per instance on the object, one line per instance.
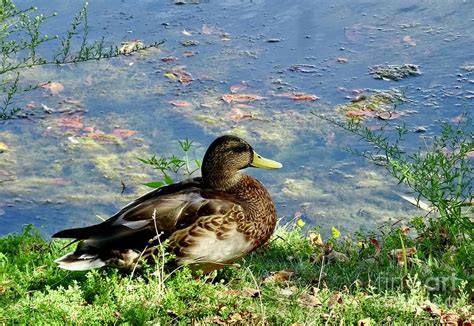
(84, 262)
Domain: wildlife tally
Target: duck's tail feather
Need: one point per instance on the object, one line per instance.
(79, 261)
(80, 233)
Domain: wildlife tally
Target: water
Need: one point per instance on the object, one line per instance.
(61, 171)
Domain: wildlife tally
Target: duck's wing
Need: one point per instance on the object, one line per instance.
(158, 213)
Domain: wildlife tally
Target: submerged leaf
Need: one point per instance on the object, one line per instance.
(238, 87)
(237, 115)
(168, 59)
(229, 98)
(70, 122)
(179, 103)
(54, 88)
(296, 96)
(123, 133)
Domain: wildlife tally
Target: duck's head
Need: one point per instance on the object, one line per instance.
(226, 156)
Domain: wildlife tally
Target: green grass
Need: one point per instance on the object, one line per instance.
(305, 289)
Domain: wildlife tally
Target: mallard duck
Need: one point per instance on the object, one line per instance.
(209, 221)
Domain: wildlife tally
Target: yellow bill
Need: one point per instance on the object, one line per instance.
(262, 162)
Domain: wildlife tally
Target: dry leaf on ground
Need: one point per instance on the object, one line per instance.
(316, 239)
(398, 254)
(335, 298)
(377, 246)
(335, 256)
(280, 276)
(309, 300)
(288, 291)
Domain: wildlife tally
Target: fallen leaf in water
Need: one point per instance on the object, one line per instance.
(70, 122)
(185, 77)
(364, 112)
(53, 87)
(279, 277)
(178, 73)
(237, 115)
(206, 29)
(387, 115)
(189, 53)
(238, 87)
(185, 32)
(123, 133)
(409, 40)
(3, 147)
(296, 96)
(304, 68)
(72, 102)
(229, 98)
(171, 76)
(102, 137)
(130, 46)
(179, 103)
(169, 59)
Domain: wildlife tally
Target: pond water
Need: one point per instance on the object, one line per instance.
(75, 149)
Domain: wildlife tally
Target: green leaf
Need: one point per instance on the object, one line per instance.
(198, 163)
(156, 184)
(168, 180)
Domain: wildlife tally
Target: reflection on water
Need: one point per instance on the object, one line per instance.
(69, 158)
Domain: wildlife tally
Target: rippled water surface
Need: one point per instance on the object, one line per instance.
(73, 152)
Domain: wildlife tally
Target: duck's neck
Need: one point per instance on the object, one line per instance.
(260, 213)
(222, 181)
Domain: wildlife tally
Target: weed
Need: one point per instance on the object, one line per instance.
(172, 165)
